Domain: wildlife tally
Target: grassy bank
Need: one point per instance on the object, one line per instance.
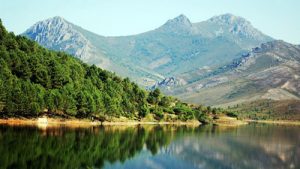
(228, 121)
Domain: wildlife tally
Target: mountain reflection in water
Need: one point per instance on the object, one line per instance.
(150, 146)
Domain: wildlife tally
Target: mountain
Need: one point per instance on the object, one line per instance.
(269, 72)
(35, 81)
(176, 47)
(58, 34)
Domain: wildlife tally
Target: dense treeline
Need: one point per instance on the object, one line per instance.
(35, 81)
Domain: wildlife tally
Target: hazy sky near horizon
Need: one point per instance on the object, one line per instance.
(277, 18)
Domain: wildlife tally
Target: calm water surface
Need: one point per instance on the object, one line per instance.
(254, 146)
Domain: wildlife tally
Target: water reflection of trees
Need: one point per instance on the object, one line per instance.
(23, 147)
(208, 146)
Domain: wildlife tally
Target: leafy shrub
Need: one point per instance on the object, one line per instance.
(232, 114)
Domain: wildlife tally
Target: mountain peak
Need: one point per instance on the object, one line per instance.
(57, 18)
(55, 25)
(229, 19)
(55, 21)
(179, 25)
(59, 34)
(181, 19)
(238, 26)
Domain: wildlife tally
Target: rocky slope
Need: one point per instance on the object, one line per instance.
(270, 71)
(58, 34)
(176, 47)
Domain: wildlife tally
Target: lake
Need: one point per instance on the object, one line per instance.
(256, 146)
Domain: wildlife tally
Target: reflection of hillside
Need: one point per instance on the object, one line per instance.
(251, 146)
(247, 147)
(80, 148)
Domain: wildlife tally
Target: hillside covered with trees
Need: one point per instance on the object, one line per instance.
(35, 81)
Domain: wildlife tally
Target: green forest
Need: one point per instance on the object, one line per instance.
(35, 81)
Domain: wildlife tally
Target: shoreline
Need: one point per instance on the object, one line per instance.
(229, 121)
(280, 122)
(44, 122)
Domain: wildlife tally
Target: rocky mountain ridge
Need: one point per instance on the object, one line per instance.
(63, 37)
(270, 71)
(154, 55)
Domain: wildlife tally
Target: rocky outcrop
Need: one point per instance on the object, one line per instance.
(169, 83)
(58, 34)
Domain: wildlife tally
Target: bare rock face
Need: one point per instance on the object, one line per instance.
(238, 26)
(58, 34)
(169, 82)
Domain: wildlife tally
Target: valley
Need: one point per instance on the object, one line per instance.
(223, 61)
(210, 84)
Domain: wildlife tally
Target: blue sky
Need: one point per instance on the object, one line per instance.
(277, 18)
